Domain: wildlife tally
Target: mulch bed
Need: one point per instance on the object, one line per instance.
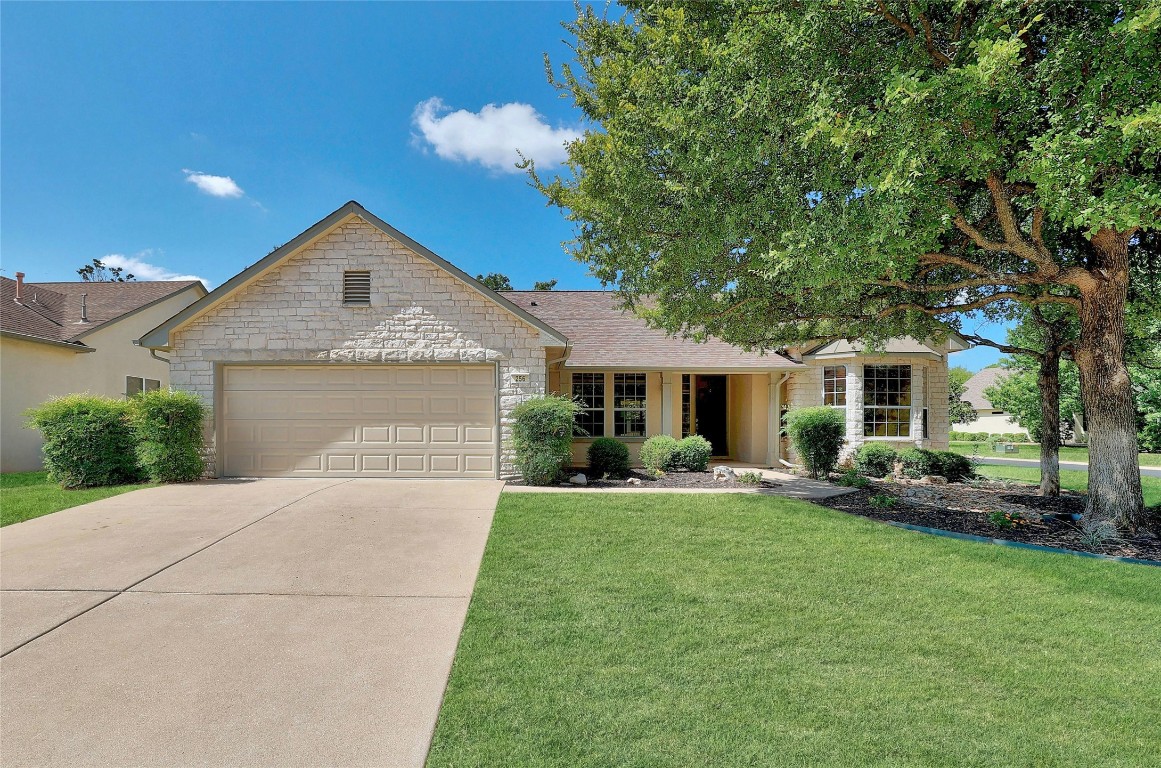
(668, 480)
(964, 508)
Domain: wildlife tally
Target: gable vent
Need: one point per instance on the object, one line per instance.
(357, 289)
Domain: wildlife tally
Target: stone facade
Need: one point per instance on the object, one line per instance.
(419, 313)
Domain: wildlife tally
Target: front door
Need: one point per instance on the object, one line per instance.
(711, 413)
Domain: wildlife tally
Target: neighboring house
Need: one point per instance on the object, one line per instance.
(988, 419)
(354, 351)
(61, 338)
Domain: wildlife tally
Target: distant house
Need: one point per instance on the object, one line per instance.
(60, 338)
(988, 418)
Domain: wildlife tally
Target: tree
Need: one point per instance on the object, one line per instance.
(495, 281)
(960, 412)
(769, 173)
(544, 285)
(99, 272)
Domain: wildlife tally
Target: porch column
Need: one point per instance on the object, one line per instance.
(667, 390)
(774, 405)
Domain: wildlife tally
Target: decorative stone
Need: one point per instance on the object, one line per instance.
(934, 480)
(634, 481)
(723, 473)
(579, 479)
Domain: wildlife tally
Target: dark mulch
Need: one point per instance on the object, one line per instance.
(668, 480)
(1046, 531)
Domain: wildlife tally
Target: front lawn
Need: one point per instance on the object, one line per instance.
(25, 495)
(1032, 451)
(680, 630)
(1072, 479)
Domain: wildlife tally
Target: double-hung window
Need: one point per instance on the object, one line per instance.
(834, 385)
(629, 404)
(589, 390)
(887, 400)
(135, 385)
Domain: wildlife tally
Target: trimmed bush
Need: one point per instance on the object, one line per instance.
(875, 459)
(657, 453)
(608, 457)
(918, 462)
(88, 440)
(168, 428)
(954, 467)
(542, 437)
(693, 454)
(817, 434)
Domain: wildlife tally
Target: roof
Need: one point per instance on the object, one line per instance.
(158, 338)
(973, 389)
(51, 312)
(904, 345)
(605, 336)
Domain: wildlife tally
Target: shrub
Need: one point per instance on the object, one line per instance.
(693, 454)
(882, 501)
(853, 479)
(168, 428)
(1006, 520)
(87, 440)
(875, 460)
(750, 478)
(954, 467)
(817, 434)
(542, 437)
(918, 462)
(657, 453)
(608, 457)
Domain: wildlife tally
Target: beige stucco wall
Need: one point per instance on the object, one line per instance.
(31, 372)
(419, 313)
(987, 421)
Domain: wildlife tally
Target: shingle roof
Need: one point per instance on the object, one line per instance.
(603, 335)
(52, 311)
(973, 390)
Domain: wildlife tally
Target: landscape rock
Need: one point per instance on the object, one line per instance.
(723, 473)
(634, 481)
(933, 480)
(579, 479)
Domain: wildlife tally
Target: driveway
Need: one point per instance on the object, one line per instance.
(264, 622)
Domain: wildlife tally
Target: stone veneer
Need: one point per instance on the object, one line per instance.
(419, 314)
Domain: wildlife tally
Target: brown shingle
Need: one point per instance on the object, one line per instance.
(973, 390)
(603, 335)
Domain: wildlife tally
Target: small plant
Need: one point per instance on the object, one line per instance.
(1006, 520)
(918, 462)
(817, 434)
(657, 453)
(875, 460)
(168, 426)
(750, 478)
(882, 501)
(542, 429)
(1095, 534)
(608, 457)
(852, 479)
(693, 454)
(954, 467)
(88, 441)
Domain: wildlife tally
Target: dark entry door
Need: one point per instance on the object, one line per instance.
(711, 412)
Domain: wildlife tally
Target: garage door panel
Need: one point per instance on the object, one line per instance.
(376, 421)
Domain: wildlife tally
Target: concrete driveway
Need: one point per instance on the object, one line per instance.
(237, 623)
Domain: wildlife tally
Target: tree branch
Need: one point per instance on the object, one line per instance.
(940, 58)
(981, 303)
(1007, 349)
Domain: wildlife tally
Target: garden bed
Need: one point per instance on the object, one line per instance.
(965, 507)
(676, 479)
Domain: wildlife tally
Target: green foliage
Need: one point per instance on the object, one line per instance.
(608, 457)
(657, 453)
(1147, 394)
(168, 425)
(875, 459)
(750, 478)
(954, 467)
(960, 411)
(693, 454)
(88, 440)
(968, 437)
(817, 435)
(1018, 393)
(918, 462)
(852, 479)
(1006, 520)
(882, 501)
(495, 281)
(544, 285)
(542, 437)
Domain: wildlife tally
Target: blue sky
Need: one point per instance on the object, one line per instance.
(192, 138)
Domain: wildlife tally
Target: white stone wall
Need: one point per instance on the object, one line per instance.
(419, 314)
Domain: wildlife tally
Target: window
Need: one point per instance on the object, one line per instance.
(629, 404)
(135, 385)
(357, 289)
(686, 400)
(589, 390)
(834, 385)
(887, 400)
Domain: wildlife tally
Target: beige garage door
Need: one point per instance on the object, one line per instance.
(359, 421)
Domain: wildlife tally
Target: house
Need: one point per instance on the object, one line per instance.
(355, 351)
(61, 338)
(988, 419)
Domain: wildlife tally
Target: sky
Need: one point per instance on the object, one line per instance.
(189, 139)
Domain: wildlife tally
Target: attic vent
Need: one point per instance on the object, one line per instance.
(357, 289)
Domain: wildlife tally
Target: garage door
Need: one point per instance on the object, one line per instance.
(359, 421)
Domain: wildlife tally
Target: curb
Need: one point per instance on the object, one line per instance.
(1020, 544)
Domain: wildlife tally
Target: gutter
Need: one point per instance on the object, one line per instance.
(74, 346)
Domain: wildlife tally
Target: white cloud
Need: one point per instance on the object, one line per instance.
(215, 186)
(492, 136)
(143, 270)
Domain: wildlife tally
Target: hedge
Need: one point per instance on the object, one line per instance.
(88, 440)
(875, 459)
(168, 427)
(693, 454)
(817, 434)
(542, 430)
(657, 453)
(608, 457)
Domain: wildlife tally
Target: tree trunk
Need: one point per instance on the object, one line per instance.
(1114, 476)
(1049, 381)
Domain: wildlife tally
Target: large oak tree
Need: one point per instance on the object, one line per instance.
(771, 172)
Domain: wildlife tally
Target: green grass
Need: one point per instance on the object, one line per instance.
(1032, 451)
(1074, 480)
(715, 630)
(25, 495)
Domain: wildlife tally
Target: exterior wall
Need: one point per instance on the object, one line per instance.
(653, 390)
(418, 314)
(33, 372)
(993, 423)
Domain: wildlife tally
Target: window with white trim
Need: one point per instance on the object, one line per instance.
(834, 385)
(135, 385)
(629, 404)
(589, 391)
(356, 288)
(887, 400)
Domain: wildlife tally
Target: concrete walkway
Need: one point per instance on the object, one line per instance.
(1073, 465)
(256, 623)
